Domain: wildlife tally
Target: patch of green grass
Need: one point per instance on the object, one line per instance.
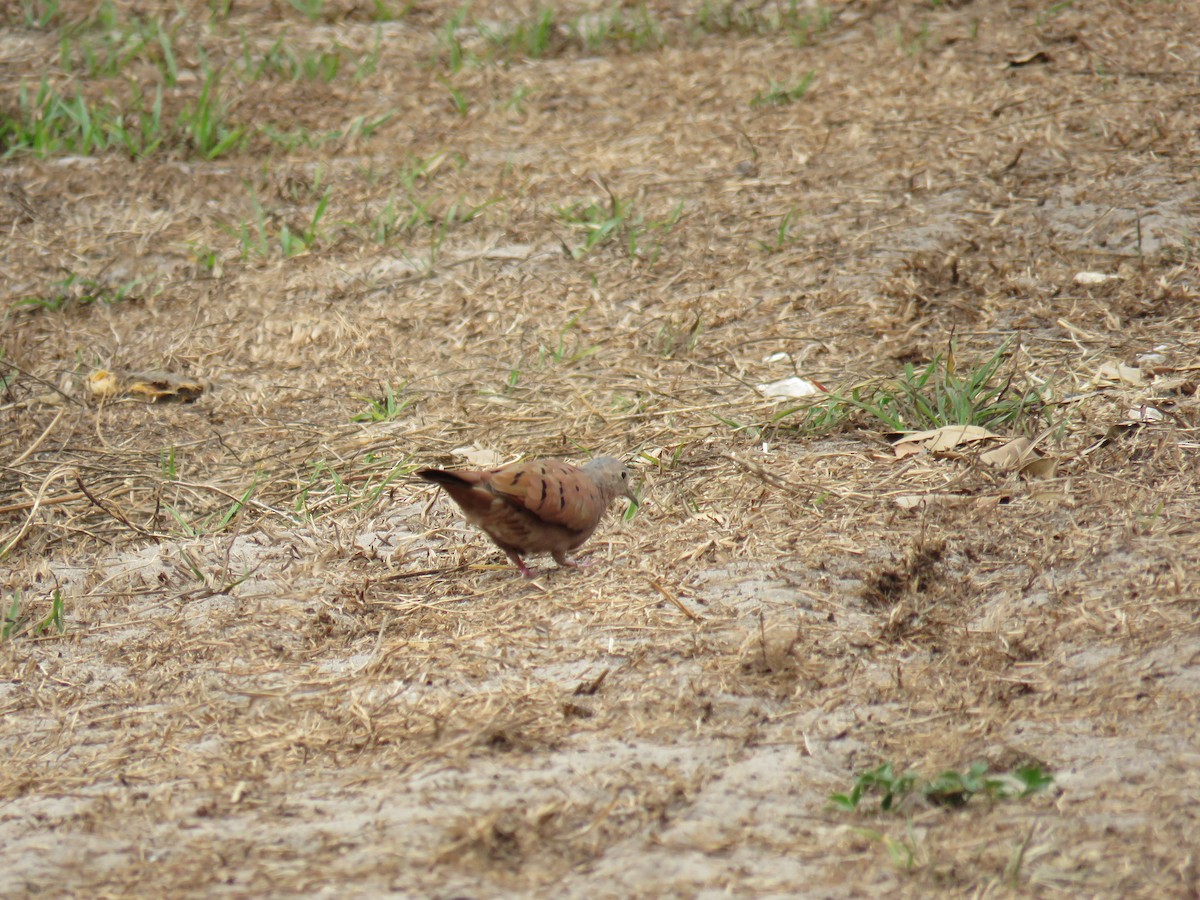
(803, 23)
(358, 128)
(284, 60)
(17, 619)
(403, 216)
(782, 94)
(259, 237)
(331, 490)
(568, 349)
(455, 54)
(76, 290)
(1051, 11)
(530, 38)
(310, 9)
(212, 520)
(783, 234)
(416, 205)
(104, 44)
(602, 223)
(51, 123)
(40, 14)
(884, 791)
(676, 340)
(205, 125)
(458, 99)
(544, 33)
(938, 394)
(389, 406)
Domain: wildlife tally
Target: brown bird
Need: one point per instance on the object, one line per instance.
(538, 506)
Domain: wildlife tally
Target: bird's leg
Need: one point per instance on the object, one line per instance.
(520, 564)
(567, 563)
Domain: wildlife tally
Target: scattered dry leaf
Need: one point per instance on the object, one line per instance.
(940, 440)
(1144, 415)
(1007, 456)
(1018, 60)
(103, 384)
(1094, 278)
(163, 386)
(1020, 455)
(789, 387)
(1120, 373)
(1040, 467)
(106, 385)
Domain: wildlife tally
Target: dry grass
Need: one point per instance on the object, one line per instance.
(286, 668)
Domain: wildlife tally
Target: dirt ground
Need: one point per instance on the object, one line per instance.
(286, 668)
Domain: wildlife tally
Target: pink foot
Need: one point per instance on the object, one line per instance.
(525, 571)
(568, 563)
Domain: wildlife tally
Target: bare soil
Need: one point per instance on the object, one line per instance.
(286, 669)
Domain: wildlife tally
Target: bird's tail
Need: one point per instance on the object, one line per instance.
(442, 477)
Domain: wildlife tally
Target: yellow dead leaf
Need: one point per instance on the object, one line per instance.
(163, 386)
(103, 384)
(1040, 467)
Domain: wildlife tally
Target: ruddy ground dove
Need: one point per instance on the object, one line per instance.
(538, 506)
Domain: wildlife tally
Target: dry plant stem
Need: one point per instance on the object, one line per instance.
(675, 601)
(114, 511)
(51, 501)
(32, 448)
(60, 472)
(769, 477)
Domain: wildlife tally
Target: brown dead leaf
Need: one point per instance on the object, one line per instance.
(160, 386)
(1007, 456)
(1020, 455)
(939, 440)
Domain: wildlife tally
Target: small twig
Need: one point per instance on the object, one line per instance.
(769, 477)
(33, 447)
(56, 390)
(675, 600)
(115, 513)
(37, 503)
(401, 576)
(762, 639)
(29, 504)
